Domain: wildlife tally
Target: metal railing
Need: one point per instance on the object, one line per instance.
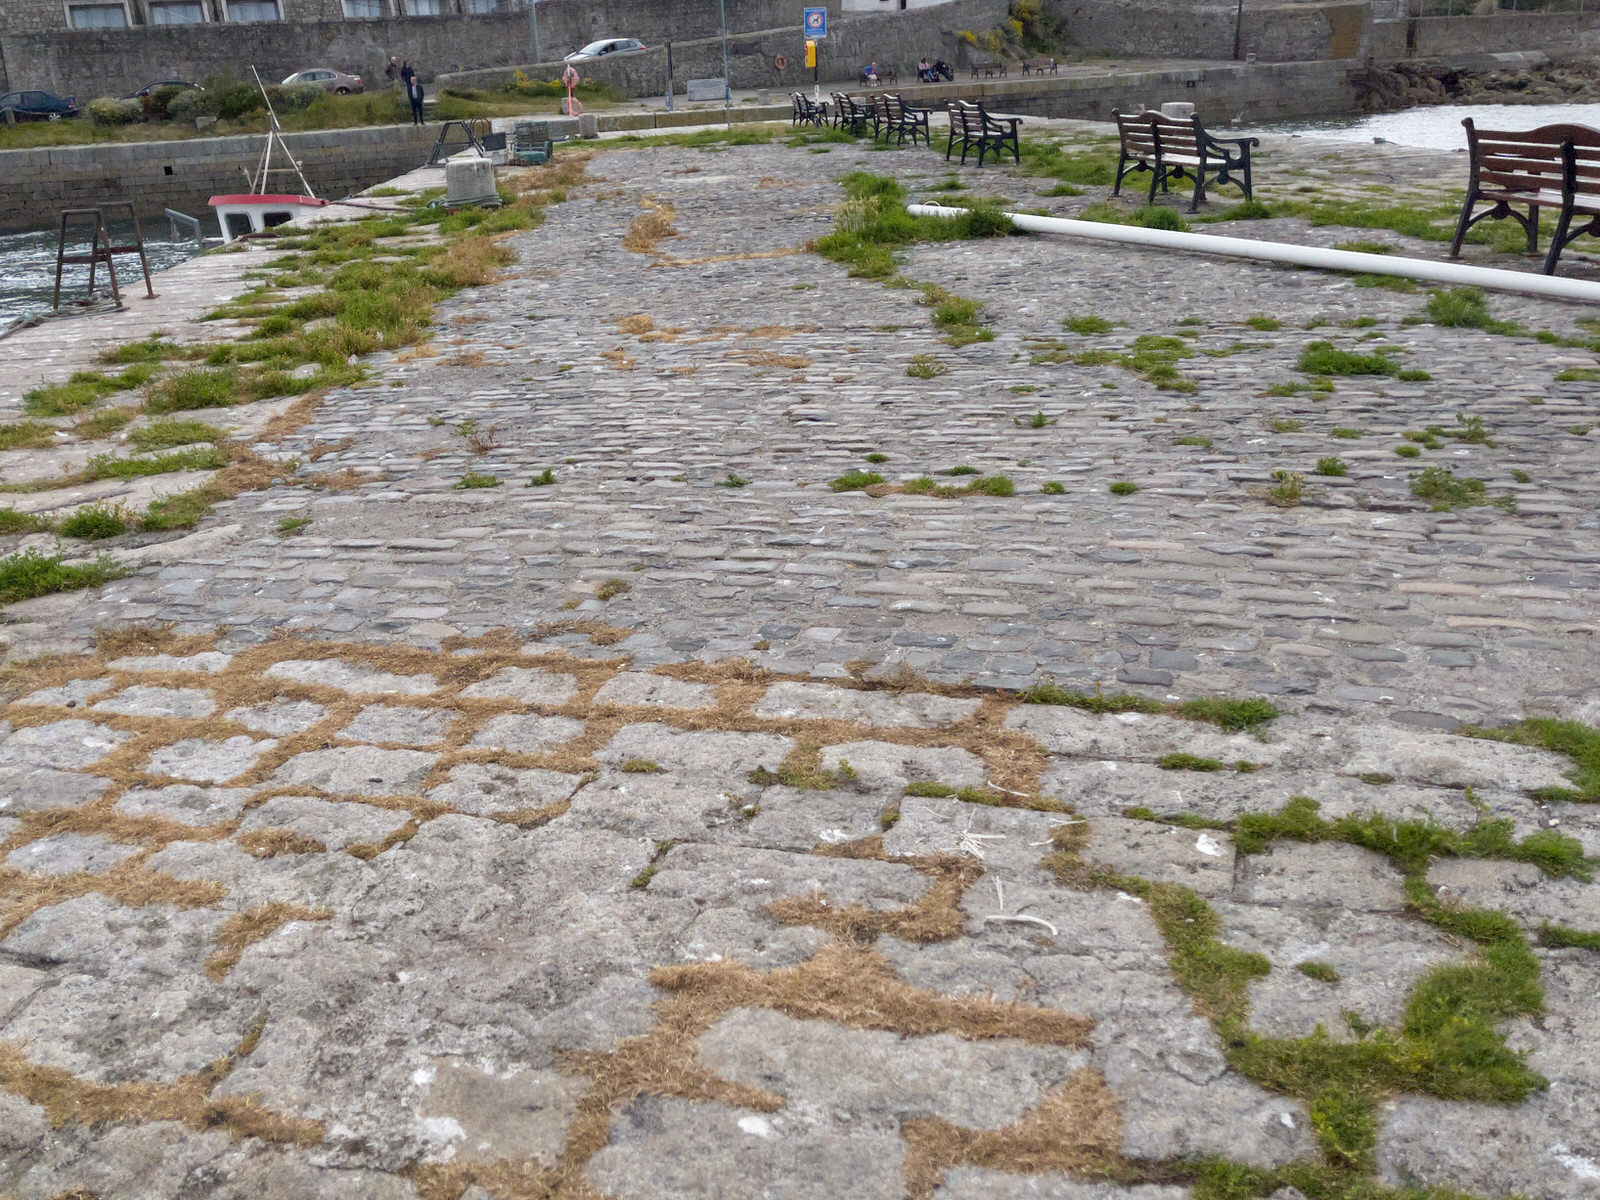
(176, 219)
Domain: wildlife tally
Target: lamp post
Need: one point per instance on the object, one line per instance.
(1238, 25)
(727, 94)
(533, 14)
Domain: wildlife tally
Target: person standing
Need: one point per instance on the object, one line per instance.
(414, 94)
(392, 71)
(407, 73)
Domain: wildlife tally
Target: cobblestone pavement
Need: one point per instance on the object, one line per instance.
(638, 835)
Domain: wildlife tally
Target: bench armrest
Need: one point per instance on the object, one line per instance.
(1240, 145)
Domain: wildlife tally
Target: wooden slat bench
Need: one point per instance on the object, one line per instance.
(1040, 66)
(1180, 148)
(850, 114)
(1553, 166)
(885, 75)
(974, 129)
(989, 69)
(807, 111)
(893, 118)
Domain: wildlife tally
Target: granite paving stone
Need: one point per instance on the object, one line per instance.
(646, 836)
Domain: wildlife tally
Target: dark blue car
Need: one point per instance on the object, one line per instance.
(37, 106)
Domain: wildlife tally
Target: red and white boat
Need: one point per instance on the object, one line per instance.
(241, 214)
(245, 213)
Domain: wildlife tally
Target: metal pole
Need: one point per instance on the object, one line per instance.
(727, 90)
(1238, 25)
(533, 15)
(669, 76)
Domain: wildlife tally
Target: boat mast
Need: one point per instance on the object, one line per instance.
(258, 185)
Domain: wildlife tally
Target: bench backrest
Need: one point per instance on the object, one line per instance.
(1585, 170)
(1137, 134)
(966, 119)
(1521, 160)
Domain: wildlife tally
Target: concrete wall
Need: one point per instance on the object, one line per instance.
(184, 175)
(102, 62)
(1429, 37)
(894, 39)
(1333, 29)
(37, 50)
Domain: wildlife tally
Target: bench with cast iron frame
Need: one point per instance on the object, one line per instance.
(807, 111)
(972, 128)
(1180, 148)
(1553, 166)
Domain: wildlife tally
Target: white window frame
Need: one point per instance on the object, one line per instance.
(227, 9)
(483, 7)
(439, 10)
(150, 12)
(127, 17)
(382, 6)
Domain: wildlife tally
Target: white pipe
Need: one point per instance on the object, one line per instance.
(1303, 256)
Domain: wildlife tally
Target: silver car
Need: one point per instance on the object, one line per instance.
(604, 47)
(336, 82)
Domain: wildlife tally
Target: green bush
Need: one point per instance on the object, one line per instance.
(191, 103)
(106, 111)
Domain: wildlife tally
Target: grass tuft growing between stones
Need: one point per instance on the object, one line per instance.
(855, 481)
(1323, 358)
(1233, 714)
(1447, 1043)
(29, 573)
(1578, 742)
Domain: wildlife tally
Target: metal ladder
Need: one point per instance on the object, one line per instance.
(100, 249)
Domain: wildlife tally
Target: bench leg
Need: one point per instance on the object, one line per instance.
(1558, 240)
(1464, 224)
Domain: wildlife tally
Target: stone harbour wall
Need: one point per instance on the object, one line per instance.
(897, 39)
(183, 175)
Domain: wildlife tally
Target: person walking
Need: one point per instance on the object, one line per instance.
(407, 73)
(414, 94)
(392, 71)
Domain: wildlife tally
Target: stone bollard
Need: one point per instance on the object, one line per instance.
(588, 127)
(1178, 109)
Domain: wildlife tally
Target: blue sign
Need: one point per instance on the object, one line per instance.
(815, 25)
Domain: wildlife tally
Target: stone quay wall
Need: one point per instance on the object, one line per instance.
(37, 51)
(1435, 37)
(898, 39)
(183, 175)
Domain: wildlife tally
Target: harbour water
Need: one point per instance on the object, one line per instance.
(1439, 127)
(28, 269)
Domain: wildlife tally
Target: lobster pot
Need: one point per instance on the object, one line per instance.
(469, 181)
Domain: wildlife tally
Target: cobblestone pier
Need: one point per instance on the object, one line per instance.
(663, 823)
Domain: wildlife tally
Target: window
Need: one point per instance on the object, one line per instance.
(489, 6)
(423, 8)
(97, 16)
(177, 12)
(363, 10)
(243, 11)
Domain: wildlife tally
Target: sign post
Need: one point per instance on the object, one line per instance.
(814, 27)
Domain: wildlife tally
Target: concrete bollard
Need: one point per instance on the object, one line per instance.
(470, 181)
(588, 126)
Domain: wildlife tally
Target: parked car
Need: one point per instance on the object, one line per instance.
(334, 81)
(180, 84)
(604, 47)
(37, 106)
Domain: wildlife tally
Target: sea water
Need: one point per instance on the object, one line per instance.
(1438, 127)
(28, 269)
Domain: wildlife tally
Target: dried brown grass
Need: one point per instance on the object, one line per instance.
(1077, 1129)
(242, 929)
(68, 1100)
(647, 231)
(636, 324)
(936, 916)
(269, 843)
(769, 358)
(852, 985)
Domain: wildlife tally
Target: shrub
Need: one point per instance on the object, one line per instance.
(191, 103)
(106, 111)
